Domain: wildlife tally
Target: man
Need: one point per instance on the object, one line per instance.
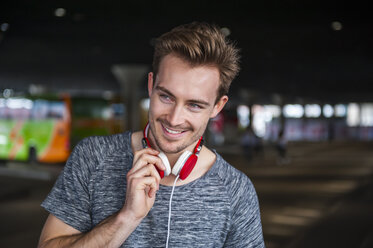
(111, 194)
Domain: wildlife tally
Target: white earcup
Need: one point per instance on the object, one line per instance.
(180, 162)
(165, 163)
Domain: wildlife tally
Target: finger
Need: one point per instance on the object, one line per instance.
(152, 192)
(139, 156)
(147, 184)
(148, 150)
(146, 171)
(145, 159)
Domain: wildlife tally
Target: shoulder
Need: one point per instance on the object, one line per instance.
(90, 151)
(108, 141)
(233, 178)
(244, 205)
(238, 185)
(101, 145)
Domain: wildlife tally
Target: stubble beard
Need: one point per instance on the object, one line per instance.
(178, 149)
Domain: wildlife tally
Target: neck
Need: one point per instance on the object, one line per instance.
(205, 161)
(172, 157)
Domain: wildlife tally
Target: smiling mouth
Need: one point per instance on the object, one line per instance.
(172, 131)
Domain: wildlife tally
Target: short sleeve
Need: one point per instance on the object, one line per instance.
(69, 198)
(246, 228)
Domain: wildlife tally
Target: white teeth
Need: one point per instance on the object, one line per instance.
(172, 131)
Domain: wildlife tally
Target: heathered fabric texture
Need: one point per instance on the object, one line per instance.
(220, 209)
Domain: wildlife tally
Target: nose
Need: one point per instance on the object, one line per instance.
(175, 116)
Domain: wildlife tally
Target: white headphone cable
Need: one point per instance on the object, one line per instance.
(169, 212)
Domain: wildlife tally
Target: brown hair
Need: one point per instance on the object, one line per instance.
(200, 44)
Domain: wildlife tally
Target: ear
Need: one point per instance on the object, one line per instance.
(219, 106)
(150, 83)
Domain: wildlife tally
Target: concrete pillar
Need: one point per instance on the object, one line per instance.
(280, 101)
(131, 77)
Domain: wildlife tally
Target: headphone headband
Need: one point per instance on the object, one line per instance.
(145, 139)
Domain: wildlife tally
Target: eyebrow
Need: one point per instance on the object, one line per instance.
(196, 101)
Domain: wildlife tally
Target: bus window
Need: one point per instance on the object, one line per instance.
(56, 110)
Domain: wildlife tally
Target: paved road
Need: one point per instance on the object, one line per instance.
(20, 198)
(322, 198)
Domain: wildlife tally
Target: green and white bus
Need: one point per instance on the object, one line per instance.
(45, 128)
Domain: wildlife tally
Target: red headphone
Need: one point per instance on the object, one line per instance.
(185, 163)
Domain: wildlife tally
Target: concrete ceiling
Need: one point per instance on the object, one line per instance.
(287, 47)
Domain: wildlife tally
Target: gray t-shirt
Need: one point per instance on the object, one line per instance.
(220, 209)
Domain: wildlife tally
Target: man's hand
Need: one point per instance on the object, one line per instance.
(142, 183)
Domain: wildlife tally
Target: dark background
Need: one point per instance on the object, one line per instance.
(288, 47)
(322, 197)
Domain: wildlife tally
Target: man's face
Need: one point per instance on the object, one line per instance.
(182, 100)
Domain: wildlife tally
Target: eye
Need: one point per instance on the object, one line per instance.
(165, 98)
(195, 107)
